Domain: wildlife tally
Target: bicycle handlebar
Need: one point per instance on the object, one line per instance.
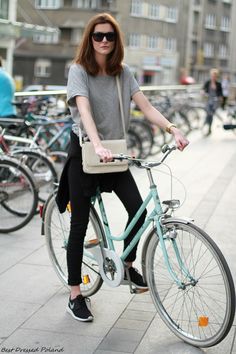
(166, 150)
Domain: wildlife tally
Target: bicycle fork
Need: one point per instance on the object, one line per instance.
(172, 238)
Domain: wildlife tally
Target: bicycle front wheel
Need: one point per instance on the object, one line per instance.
(201, 311)
(56, 230)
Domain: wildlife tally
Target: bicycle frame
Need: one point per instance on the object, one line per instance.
(154, 216)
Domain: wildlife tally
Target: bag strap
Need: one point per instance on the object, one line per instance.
(121, 103)
(121, 110)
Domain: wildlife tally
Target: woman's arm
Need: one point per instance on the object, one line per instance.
(155, 117)
(90, 128)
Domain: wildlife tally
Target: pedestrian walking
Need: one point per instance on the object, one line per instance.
(213, 92)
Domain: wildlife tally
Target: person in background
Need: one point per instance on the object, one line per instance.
(225, 83)
(7, 91)
(213, 91)
(93, 100)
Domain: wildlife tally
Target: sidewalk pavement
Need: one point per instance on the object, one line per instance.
(33, 301)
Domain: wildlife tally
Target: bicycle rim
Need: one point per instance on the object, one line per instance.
(18, 196)
(57, 227)
(201, 314)
(43, 170)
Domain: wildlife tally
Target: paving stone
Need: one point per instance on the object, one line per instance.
(138, 315)
(130, 324)
(14, 316)
(121, 340)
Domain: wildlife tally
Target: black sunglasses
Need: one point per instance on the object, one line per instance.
(98, 36)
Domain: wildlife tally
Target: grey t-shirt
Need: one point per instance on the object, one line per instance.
(103, 98)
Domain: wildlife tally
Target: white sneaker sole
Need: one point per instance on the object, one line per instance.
(89, 319)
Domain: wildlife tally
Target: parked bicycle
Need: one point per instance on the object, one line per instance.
(188, 277)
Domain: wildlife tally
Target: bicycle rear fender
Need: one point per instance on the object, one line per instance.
(184, 220)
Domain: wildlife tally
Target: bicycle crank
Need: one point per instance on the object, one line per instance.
(110, 265)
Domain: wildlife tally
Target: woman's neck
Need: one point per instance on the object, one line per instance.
(101, 61)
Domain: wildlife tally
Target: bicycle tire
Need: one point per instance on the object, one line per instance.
(56, 230)
(18, 195)
(43, 169)
(202, 314)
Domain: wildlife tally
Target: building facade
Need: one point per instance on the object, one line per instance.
(161, 38)
(210, 38)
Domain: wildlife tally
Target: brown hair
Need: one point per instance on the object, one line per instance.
(85, 54)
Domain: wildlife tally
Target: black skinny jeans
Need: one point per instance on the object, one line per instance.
(126, 190)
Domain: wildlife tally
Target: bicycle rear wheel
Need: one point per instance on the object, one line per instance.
(56, 230)
(200, 313)
(18, 195)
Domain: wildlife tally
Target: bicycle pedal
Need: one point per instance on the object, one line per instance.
(91, 243)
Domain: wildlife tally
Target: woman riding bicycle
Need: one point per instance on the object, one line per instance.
(94, 104)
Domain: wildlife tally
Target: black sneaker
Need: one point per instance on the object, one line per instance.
(79, 310)
(136, 278)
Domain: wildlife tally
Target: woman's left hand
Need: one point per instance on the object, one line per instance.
(180, 139)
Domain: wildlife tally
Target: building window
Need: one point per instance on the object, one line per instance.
(154, 11)
(136, 8)
(42, 68)
(4, 9)
(225, 24)
(170, 44)
(223, 51)
(86, 4)
(134, 40)
(46, 38)
(171, 14)
(152, 42)
(48, 4)
(210, 21)
(208, 50)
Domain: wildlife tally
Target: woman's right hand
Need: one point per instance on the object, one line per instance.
(104, 154)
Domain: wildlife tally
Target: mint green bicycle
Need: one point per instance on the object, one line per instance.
(189, 280)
